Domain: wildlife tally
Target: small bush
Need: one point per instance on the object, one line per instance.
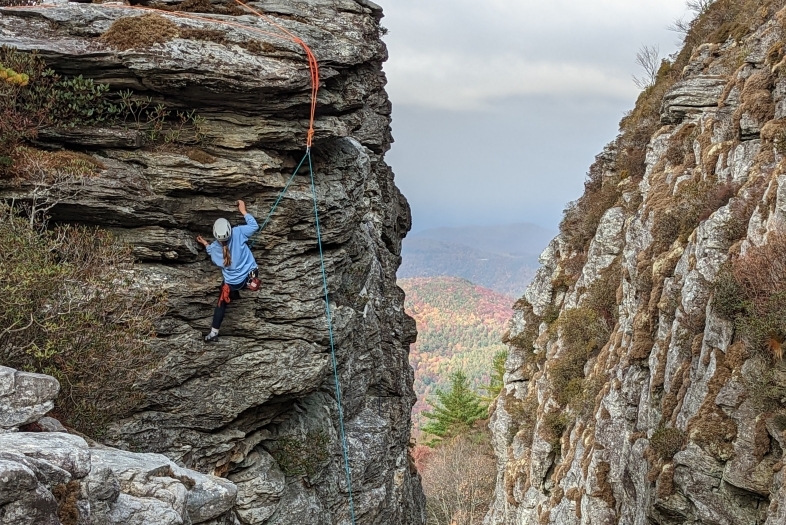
(525, 340)
(524, 415)
(666, 442)
(695, 201)
(583, 333)
(554, 426)
(140, 31)
(68, 311)
(302, 457)
(752, 292)
(601, 297)
(582, 217)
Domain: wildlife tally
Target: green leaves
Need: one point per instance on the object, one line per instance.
(456, 410)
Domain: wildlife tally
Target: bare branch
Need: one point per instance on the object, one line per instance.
(699, 6)
(648, 58)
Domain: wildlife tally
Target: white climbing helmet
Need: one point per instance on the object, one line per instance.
(222, 230)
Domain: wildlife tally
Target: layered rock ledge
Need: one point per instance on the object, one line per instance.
(226, 409)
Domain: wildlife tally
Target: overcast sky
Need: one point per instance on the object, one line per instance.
(500, 106)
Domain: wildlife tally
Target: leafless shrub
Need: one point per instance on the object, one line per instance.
(699, 6)
(458, 480)
(648, 58)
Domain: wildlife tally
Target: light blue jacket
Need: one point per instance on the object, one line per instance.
(242, 258)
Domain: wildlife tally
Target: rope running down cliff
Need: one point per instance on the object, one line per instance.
(313, 67)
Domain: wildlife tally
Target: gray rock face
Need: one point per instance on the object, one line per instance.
(665, 422)
(240, 408)
(49, 477)
(24, 397)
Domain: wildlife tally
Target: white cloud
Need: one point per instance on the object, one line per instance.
(465, 54)
(451, 81)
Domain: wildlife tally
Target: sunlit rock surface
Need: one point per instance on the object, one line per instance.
(669, 364)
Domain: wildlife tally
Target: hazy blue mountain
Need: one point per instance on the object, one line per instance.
(513, 239)
(502, 258)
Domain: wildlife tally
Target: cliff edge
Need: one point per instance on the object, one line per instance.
(244, 408)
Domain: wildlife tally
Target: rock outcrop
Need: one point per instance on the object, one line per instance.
(239, 408)
(49, 477)
(643, 385)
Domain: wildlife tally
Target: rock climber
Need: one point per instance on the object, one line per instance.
(231, 253)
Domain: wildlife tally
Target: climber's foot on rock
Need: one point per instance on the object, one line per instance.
(212, 337)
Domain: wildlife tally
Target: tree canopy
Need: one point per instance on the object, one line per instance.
(455, 410)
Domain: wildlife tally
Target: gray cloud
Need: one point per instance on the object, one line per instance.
(501, 105)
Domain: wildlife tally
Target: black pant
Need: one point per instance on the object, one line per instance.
(221, 309)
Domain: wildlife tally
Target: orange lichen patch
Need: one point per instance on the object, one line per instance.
(67, 495)
(140, 31)
(200, 156)
(711, 428)
(671, 399)
(761, 439)
(665, 483)
(636, 436)
(604, 491)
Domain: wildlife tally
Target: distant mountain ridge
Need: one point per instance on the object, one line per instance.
(515, 239)
(503, 258)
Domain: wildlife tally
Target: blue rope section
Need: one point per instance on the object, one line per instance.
(251, 242)
(332, 344)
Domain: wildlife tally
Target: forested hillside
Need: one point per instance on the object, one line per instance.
(460, 326)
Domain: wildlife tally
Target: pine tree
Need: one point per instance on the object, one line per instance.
(496, 382)
(454, 411)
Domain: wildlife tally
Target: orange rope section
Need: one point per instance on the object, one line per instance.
(283, 33)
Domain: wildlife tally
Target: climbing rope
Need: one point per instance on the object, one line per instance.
(332, 343)
(313, 67)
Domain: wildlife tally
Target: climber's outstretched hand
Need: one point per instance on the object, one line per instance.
(241, 206)
(201, 240)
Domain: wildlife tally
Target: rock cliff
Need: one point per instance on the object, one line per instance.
(266, 390)
(645, 381)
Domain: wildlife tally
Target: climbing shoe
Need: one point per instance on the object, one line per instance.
(211, 337)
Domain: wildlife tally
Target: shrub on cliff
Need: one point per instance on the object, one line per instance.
(66, 310)
(33, 97)
(752, 291)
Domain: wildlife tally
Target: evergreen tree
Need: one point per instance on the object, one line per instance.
(454, 411)
(494, 387)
